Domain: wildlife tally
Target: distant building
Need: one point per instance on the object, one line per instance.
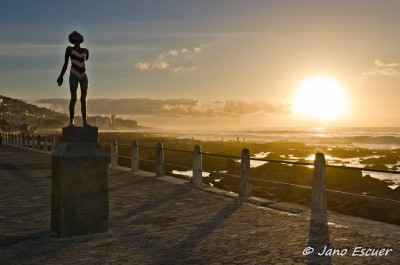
(113, 120)
(105, 122)
(78, 121)
(99, 121)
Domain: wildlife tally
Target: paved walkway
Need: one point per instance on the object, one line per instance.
(158, 222)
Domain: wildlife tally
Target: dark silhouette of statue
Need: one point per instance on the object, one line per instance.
(77, 75)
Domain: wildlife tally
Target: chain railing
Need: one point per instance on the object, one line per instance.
(319, 190)
(47, 143)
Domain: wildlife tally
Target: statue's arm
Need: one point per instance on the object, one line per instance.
(65, 66)
(87, 54)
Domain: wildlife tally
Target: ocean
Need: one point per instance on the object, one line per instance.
(369, 137)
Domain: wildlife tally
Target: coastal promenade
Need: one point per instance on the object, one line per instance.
(167, 221)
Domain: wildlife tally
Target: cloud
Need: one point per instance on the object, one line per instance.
(383, 69)
(180, 107)
(174, 60)
(142, 66)
(160, 65)
(379, 63)
(183, 69)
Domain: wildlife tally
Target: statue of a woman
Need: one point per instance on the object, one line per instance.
(77, 75)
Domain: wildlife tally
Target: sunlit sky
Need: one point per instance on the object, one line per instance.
(226, 63)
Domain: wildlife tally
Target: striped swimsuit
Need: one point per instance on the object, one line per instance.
(78, 61)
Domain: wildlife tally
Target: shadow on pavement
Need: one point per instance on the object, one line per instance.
(318, 240)
(186, 246)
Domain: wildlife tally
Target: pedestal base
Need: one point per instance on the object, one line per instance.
(79, 199)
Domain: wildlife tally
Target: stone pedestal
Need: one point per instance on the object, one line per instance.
(79, 198)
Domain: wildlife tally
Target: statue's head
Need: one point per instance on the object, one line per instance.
(75, 38)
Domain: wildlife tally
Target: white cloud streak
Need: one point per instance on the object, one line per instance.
(382, 69)
(172, 60)
(143, 66)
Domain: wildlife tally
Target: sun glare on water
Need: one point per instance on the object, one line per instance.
(321, 98)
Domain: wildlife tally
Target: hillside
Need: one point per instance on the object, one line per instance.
(15, 112)
(20, 108)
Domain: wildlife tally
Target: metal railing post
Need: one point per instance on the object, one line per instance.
(135, 156)
(39, 142)
(197, 174)
(53, 143)
(23, 140)
(245, 189)
(160, 160)
(318, 201)
(33, 141)
(45, 143)
(114, 153)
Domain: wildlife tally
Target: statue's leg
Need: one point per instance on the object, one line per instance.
(84, 88)
(73, 87)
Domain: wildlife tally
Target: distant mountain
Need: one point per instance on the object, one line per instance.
(15, 112)
(21, 108)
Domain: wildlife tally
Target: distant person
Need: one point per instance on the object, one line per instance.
(77, 75)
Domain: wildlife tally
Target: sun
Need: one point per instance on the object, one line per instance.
(320, 98)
